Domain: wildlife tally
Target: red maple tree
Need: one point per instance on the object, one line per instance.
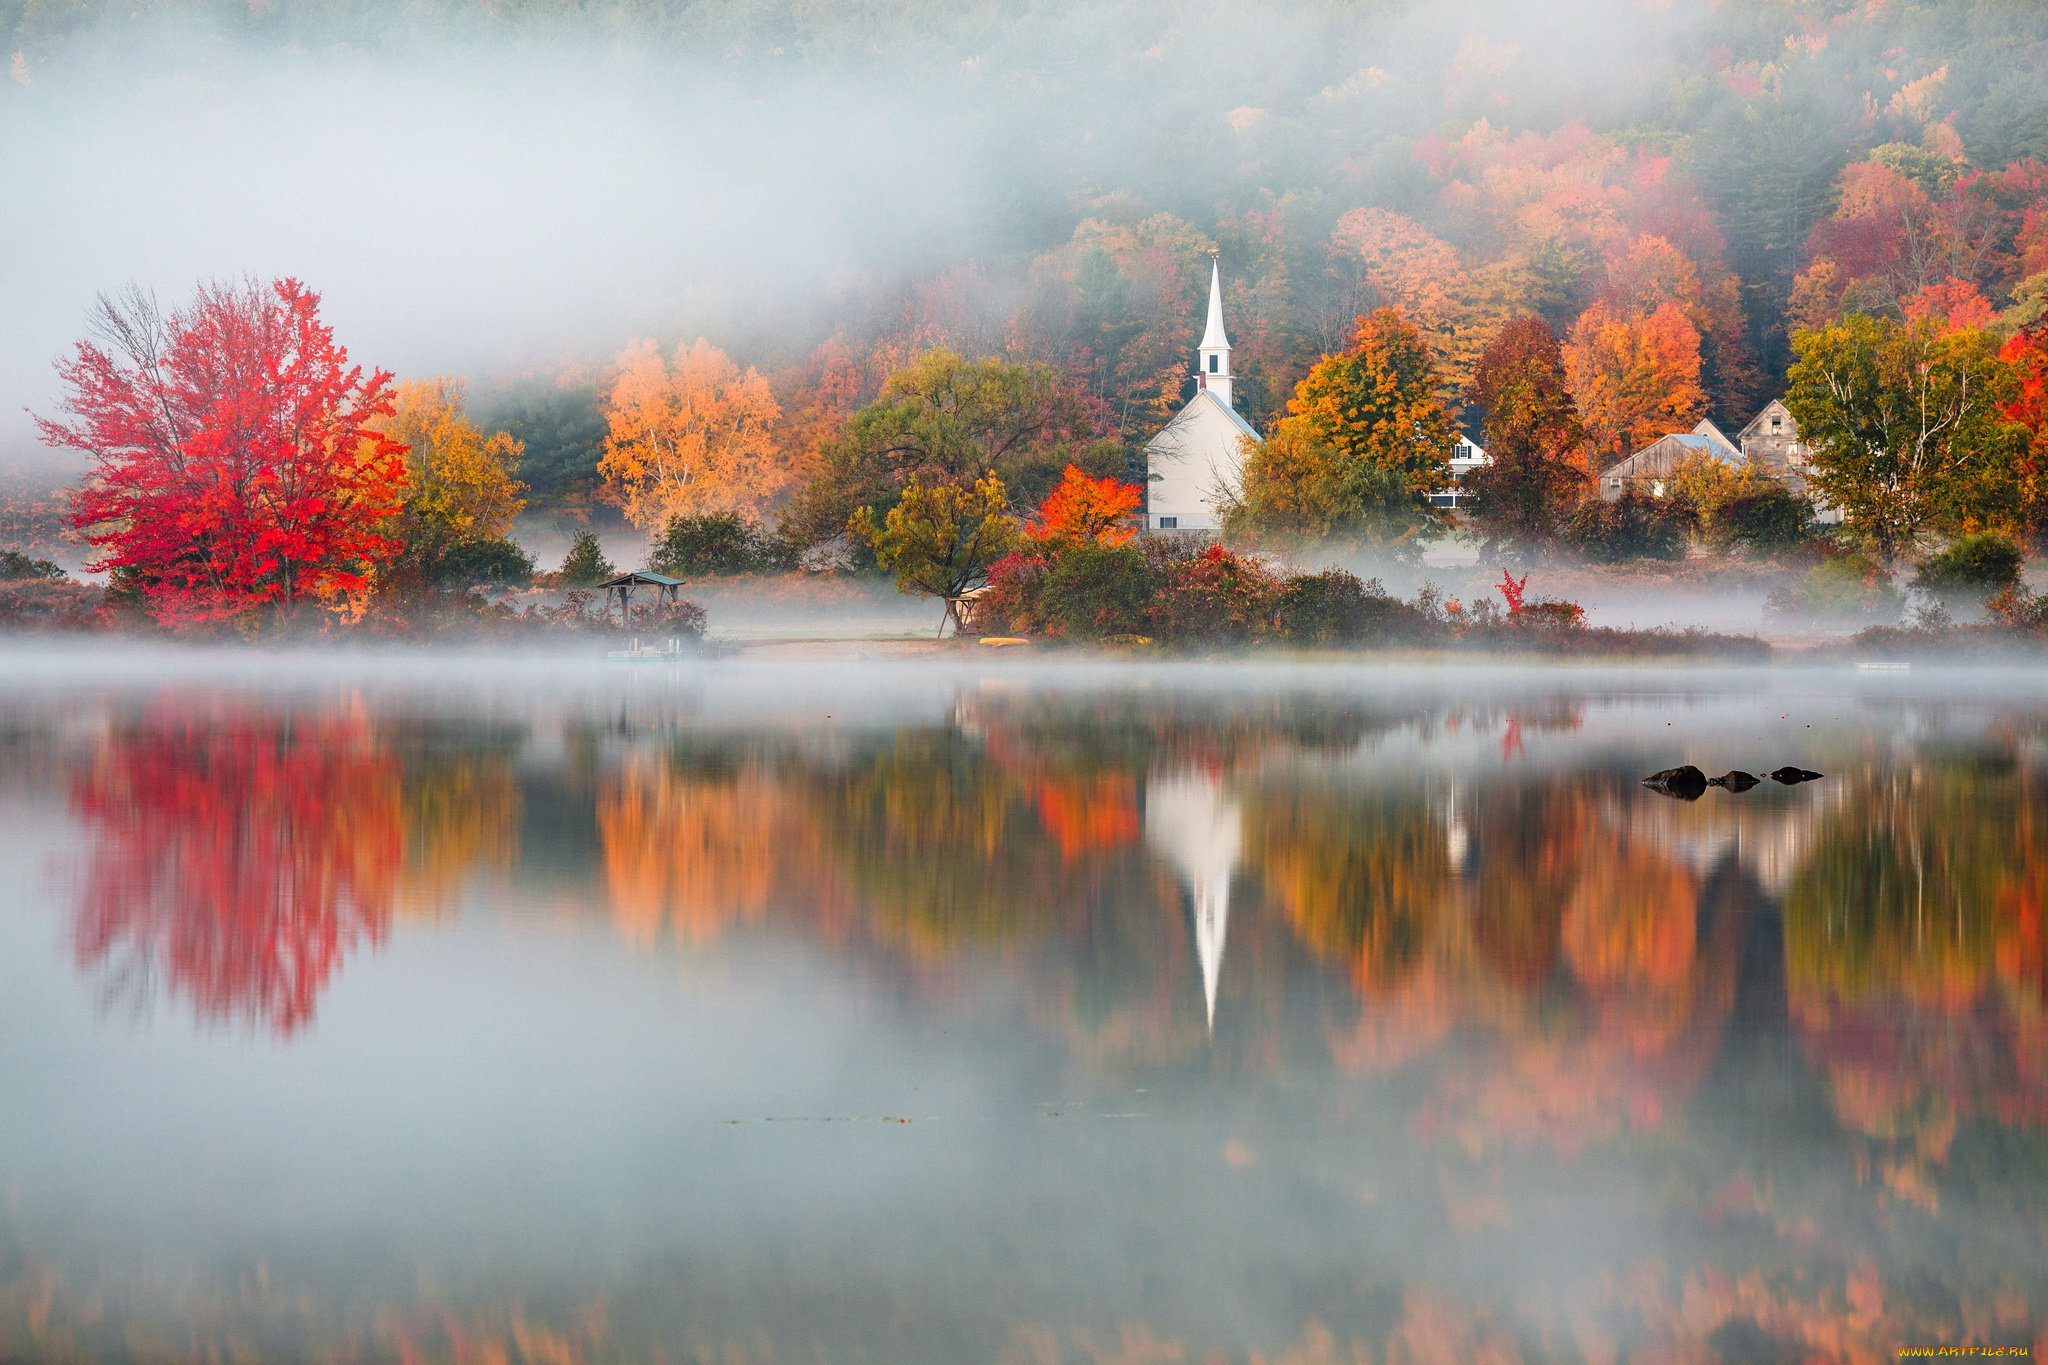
(234, 465)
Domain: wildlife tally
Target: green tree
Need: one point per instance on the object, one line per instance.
(1534, 438)
(940, 540)
(585, 565)
(1907, 428)
(1969, 567)
(1361, 448)
(710, 542)
(946, 420)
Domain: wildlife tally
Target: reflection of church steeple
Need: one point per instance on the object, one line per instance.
(1195, 829)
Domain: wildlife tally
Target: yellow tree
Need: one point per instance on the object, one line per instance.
(1634, 376)
(690, 437)
(458, 481)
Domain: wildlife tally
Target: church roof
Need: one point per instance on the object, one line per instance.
(1213, 338)
(1232, 413)
(1204, 401)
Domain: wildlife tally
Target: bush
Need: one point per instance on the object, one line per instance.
(1091, 590)
(1842, 588)
(1765, 523)
(39, 604)
(16, 567)
(713, 543)
(473, 564)
(1216, 598)
(1633, 526)
(1972, 567)
(1334, 608)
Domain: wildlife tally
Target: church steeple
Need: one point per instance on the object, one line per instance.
(1213, 368)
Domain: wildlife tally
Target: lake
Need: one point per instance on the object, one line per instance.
(526, 1009)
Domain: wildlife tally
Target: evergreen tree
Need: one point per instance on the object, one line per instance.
(585, 565)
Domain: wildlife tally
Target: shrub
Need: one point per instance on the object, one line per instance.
(1334, 608)
(16, 567)
(710, 543)
(1841, 588)
(1975, 566)
(1093, 590)
(1765, 523)
(1549, 613)
(1010, 605)
(1216, 598)
(1633, 526)
(483, 564)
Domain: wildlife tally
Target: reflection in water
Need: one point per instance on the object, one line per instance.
(1199, 832)
(1518, 1061)
(238, 857)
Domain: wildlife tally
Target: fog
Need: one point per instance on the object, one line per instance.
(515, 1097)
(480, 196)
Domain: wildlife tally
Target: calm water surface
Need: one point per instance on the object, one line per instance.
(489, 1010)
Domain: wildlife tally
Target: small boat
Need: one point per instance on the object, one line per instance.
(638, 653)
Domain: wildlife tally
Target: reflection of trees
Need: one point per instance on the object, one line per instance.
(1561, 987)
(698, 850)
(1360, 876)
(944, 846)
(238, 857)
(461, 815)
(1913, 948)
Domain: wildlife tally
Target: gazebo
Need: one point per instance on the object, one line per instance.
(666, 589)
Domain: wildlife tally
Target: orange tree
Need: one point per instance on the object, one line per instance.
(1634, 376)
(1084, 511)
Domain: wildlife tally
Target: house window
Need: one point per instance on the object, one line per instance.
(1212, 363)
(1169, 523)
(1775, 423)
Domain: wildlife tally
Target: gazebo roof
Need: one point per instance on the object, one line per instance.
(643, 579)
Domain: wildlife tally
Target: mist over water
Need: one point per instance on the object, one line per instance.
(1027, 1012)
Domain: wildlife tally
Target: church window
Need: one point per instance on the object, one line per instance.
(1212, 363)
(1169, 523)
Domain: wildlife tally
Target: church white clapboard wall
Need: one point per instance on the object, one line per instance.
(1198, 457)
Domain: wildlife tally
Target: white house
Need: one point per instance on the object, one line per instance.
(1198, 457)
(1466, 456)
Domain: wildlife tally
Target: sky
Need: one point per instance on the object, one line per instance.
(478, 202)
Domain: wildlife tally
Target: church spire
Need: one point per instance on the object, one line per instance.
(1214, 365)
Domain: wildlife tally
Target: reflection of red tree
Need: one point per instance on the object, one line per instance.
(1089, 814)
(240, 858)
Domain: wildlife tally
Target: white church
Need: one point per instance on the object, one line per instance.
(1198, 457)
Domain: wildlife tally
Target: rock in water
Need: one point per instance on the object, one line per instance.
(1687, 783)
(1736, 781)
(1792, 777)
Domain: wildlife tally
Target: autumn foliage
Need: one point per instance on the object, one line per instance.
(690, 436)
(1084, 510)
(236, 460)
